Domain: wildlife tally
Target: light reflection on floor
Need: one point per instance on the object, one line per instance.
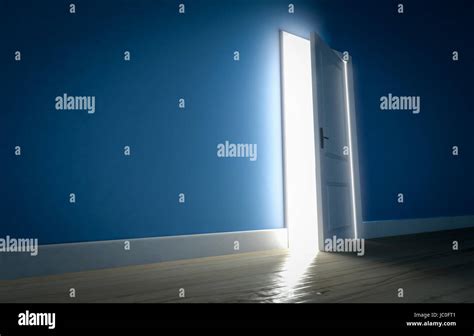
(293, 271)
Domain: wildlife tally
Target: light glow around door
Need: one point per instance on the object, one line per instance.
(298, 144)
(351, 161)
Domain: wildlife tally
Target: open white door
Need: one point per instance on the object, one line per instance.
(336, 143)
(319, 142)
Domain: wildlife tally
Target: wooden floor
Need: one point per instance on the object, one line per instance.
(424, 265)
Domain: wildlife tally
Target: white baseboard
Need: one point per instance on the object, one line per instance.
(386, 228)
(76, 257)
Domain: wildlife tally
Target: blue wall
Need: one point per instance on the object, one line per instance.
(174, 151)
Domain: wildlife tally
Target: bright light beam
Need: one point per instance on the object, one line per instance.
(298, 142)
(349, 126)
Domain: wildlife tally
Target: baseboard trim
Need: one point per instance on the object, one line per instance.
(77, 257)
(386, 228)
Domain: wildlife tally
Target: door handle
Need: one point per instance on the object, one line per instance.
(322, 137)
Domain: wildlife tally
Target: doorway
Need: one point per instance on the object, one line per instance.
(298, 143)
(319, 143)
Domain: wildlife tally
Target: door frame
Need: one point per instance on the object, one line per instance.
(315, 39)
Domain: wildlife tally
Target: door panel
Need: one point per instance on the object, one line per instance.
(334, 177)
(339, 197)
